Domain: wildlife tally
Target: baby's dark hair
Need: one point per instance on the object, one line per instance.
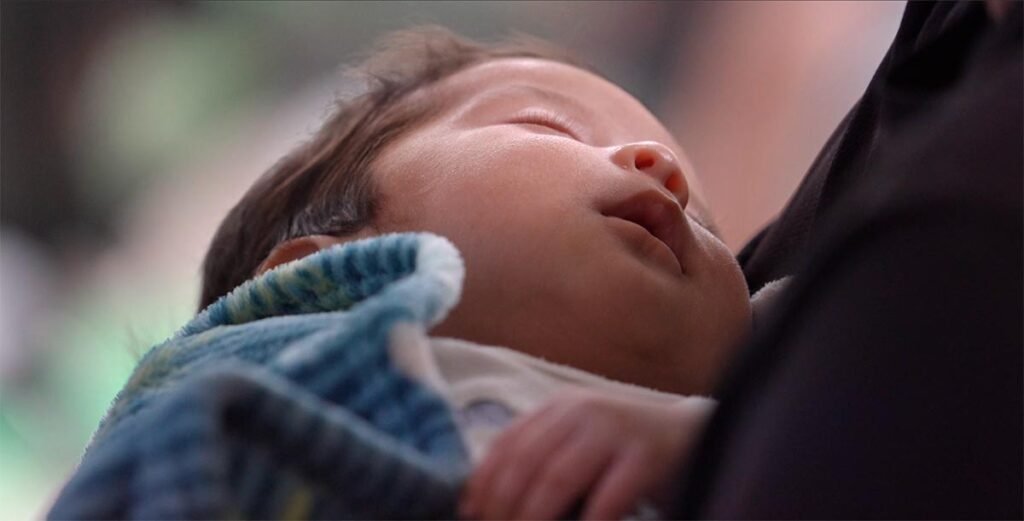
(325, 186)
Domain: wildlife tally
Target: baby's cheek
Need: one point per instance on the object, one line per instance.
(728, 288)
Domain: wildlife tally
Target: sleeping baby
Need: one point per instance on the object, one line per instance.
(579, 305)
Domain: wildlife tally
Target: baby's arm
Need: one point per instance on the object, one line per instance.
(608, 452)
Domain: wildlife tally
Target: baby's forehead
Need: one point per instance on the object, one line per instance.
(545, 80)
(612, 115)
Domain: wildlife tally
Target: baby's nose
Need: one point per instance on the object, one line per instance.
(657, 161)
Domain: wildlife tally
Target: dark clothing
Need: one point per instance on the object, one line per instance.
(888, 381)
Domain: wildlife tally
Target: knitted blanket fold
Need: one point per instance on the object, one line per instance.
(281, 400)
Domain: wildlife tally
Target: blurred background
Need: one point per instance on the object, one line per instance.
(129, 129)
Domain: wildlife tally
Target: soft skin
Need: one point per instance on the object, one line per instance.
(575, 213)
(608, 451)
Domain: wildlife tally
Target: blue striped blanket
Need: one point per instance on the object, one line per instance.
(280, 401)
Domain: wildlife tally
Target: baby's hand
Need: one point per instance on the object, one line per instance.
(609, 452)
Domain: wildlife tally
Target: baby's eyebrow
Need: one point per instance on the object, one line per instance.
(522, 90)
(548, 95)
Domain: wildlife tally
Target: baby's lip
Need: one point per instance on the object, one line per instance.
(658, 213)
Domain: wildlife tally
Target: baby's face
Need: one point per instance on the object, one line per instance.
(577, 217)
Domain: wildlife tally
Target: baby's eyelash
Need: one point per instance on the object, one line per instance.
(551, 120)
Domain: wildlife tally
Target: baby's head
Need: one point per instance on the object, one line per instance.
(578, 217)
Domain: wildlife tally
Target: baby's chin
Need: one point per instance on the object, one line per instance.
(598, 305)
(655, 337)
(670, 332)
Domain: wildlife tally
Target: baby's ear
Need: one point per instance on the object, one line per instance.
(300, 247)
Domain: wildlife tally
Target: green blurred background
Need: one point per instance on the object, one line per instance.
(129, 129)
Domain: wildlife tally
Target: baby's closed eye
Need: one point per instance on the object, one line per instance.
(545, 118)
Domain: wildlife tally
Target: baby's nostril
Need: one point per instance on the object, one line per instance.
(643, 161)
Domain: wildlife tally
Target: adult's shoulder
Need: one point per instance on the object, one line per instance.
(937, 49)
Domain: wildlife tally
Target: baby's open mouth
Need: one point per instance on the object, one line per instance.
(657, 213)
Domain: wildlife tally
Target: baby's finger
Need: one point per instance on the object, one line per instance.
(568, 474)
(502, 455)
(478, 483)
(527, 453)
(621, 487)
